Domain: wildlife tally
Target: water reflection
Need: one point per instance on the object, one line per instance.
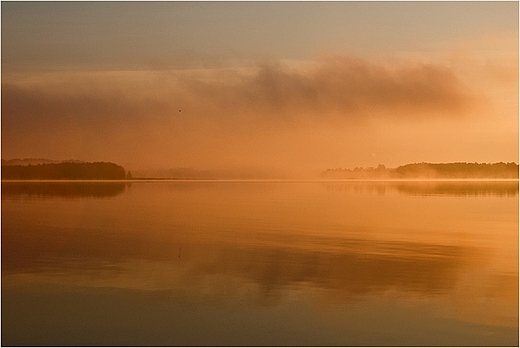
(347, 266)
(36, 189)
(201, 252)
(416, 188)
(432, 188)
(461, 189)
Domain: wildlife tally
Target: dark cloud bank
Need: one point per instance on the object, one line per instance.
(213, 119)
(346, 88)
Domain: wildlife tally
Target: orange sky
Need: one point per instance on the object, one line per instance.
(80, 82)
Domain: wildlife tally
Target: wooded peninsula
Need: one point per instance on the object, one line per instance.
(459, 170)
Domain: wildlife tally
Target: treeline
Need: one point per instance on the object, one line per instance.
(459, 170)
(35, 161)
(65, 171)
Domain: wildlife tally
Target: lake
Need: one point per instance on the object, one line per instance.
(260, 263)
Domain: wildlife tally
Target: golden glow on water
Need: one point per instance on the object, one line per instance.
(447, 251)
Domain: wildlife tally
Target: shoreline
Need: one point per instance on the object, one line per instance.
(150, 180)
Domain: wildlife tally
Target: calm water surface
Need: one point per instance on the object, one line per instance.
(260, 263)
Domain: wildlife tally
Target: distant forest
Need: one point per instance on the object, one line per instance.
(64, 171)
(77, 170)
(35, 161)
(460, 170)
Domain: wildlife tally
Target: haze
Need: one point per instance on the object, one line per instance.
(281, 89)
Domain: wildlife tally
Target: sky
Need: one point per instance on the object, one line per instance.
(281, 89)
